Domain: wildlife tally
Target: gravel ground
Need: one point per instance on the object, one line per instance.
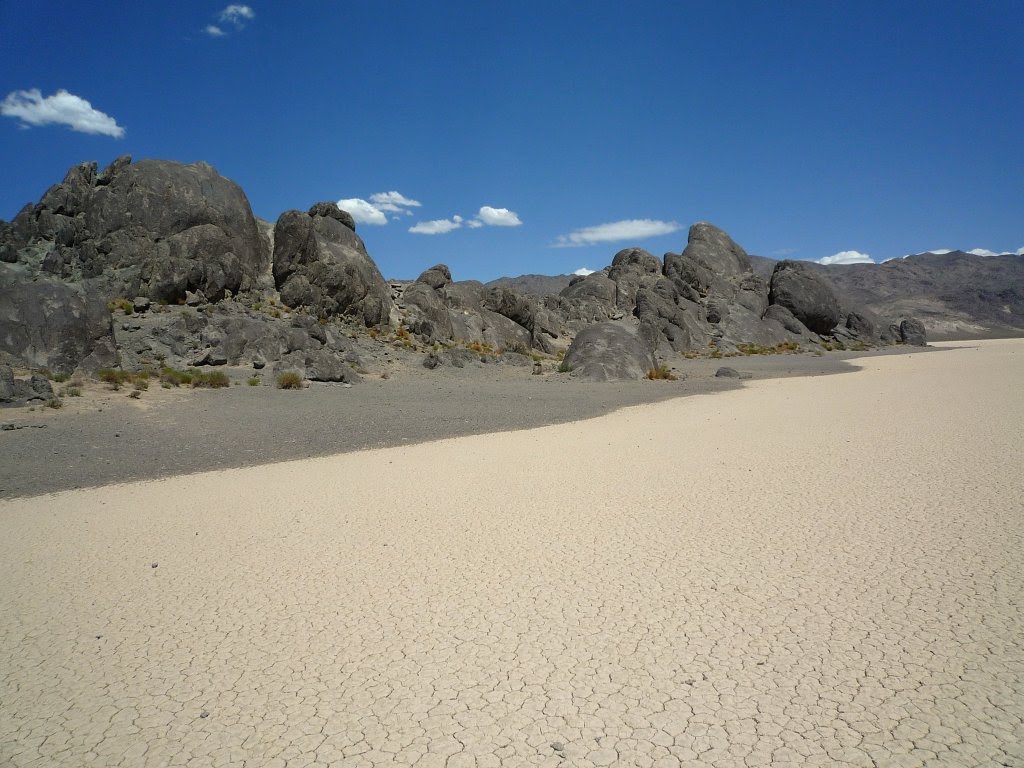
(105, 437)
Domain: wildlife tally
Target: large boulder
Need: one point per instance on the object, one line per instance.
(437, 277)
(608, 352)
(155, 228)
(15, 391)
(322, 264)
(912, 332)
(799, 289)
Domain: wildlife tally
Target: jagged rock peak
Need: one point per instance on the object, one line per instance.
(713, 249)
(437, 277)
(646, 262)
(331, 210)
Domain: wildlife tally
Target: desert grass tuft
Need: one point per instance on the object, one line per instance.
(289, 380)
(661, 373)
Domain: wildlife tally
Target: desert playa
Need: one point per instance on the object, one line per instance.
(802, 571)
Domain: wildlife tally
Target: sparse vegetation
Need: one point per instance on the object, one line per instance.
(121, 303)
(55, 403)
(135, 394)
(253, 381)
(115, 377)
(781, 348)
(661, 373)
(289, 380)
(210, 379)
(171, 377)
(565, 367)
(72, 392)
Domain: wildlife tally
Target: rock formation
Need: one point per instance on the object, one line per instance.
(160, 261)
(608, 352)
(321, 263)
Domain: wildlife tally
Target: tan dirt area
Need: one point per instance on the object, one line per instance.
(805, 571)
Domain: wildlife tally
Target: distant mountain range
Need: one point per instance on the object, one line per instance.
(957, 294)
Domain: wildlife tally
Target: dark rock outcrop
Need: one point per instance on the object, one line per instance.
(912, 332)
(799, 289)
(47, 323)
(15, 391)
(321, 263)
(608, 352)
(154, 228)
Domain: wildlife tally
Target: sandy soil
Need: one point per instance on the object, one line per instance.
(805, 571)
(106, 437)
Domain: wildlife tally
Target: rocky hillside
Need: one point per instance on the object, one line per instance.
(956, 294)
(157, 263)
(533, 285)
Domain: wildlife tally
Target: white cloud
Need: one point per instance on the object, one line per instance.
(982, 252)
(437, 226)
(62, 108)
(1019, 252)
(237, 14)
(627, 229)
(847, 257)
(474, 223)
(362, 211)
(499, 217)
(394, 202)
(583, 272)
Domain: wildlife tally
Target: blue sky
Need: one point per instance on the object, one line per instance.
(803, 129)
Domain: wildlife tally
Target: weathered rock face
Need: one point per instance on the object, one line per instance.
(668, 322)
(46, 323)
(608, 352)
(321, 263)
(713, 249)
(912, 332)
(439, 310)
(437, 277)
(154, 228)
(796, 287)
(633, 269)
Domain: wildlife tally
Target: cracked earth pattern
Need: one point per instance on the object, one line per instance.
(806, 572)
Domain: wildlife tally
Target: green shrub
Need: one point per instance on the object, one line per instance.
(565, 367)
(121, 303)
(210, 380)
(72, 392)
(171, 377)
(289, 380)
(55, 403)
(115, 377)
(254, 381)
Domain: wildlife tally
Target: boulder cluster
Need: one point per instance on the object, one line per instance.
(162, 260)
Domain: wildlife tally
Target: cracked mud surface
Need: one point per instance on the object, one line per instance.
(821, 571)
